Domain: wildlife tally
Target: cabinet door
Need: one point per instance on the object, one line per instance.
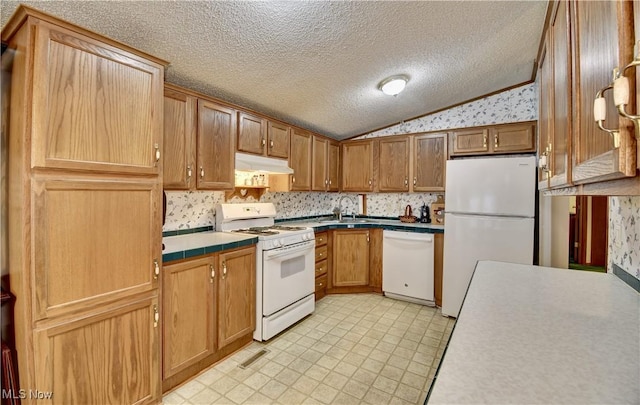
(300, 160)
(470, 141)
(320, 157)
(278, 137)
(97, 241)
(429, 162)
(108, 358)
(252, 134)
(350, 258)
(216, 146)
(393, 172)
(602, 40)
(560, 152)
(180, 123)
(334, 166)
(236, 295)
(545, 105)
(513, 138)
(357, 166)
(95, 107)
(189, 313)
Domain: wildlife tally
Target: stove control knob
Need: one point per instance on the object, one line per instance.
(277, 243)
(304, 236)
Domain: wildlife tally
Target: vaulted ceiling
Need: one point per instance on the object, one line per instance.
(317, 64)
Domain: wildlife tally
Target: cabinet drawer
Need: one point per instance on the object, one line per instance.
(321, 283)
(321, 238)
(321, 253)
(321, 268)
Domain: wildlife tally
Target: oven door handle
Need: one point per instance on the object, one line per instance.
(271, 254)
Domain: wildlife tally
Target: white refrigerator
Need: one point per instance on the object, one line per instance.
(489, 215)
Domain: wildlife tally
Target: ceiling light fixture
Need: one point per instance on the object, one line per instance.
(393, 85)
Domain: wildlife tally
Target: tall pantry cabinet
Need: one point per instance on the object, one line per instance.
(85, 136)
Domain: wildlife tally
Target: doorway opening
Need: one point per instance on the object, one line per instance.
(588, 228)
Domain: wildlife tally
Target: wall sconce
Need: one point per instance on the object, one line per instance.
(393, 85)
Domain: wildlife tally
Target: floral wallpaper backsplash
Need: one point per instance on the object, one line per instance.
(515, 105)
(624, 234)
(196, 209)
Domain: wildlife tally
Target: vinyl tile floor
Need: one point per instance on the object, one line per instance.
(354, 349)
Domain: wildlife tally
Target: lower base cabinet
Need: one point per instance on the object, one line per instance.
(356, 261)
(208, 311)
(106, 358)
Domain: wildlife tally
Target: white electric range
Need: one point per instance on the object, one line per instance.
(285, 265)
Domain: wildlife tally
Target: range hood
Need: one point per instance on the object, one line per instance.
(253, 163)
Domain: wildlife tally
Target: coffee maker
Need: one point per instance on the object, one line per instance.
(425, 217)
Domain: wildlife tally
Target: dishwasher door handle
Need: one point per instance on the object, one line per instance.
(411, 239)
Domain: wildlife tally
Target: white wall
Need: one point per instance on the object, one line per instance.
(554, 231)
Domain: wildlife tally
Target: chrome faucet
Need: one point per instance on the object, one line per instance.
(338, 210)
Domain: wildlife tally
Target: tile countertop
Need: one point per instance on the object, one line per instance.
(529, 334)
(389, 224)
(201, 243)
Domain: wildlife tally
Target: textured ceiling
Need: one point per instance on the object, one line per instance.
(317, 64)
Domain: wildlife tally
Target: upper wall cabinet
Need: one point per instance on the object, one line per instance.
(495, 139)
(179, 143)
(325, 155)
(554, 77)
(602, 39)
(300, 160)
(393, 161)
(81, 87)
(261, 136)
(216, 146)
(429, 162)
(358, 165)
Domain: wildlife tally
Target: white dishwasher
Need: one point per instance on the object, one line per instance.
(407, 266)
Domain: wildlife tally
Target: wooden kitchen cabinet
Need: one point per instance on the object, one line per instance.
(429, 162)
(252, 133)
(208, 311)
(95, 104)
(438, 260)
(216, 146)
(325, 156)
(602, 39)
(350, 258)
(495, 139)
(86, 136)
(262, 136)
(334, 166)
(358, 165)
(189, 313)
(393, 160)
(554, 75)
(278, 139)
(179, 143)
(300, 160)
(105, 358)
(236, 295)
(322, 262)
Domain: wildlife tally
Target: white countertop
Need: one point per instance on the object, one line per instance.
(201, 240)
(529, 334)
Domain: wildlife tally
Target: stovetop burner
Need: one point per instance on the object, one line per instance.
(257, 231)
(288, 228)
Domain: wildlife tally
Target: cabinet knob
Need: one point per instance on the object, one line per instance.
(213, 273)
(293, 179)
(156, 269)
(320, 284)
(495, 141)
(415, 181)
(156, 316)
(201, 172)
(189, 173)
(370, 182)
(271, 144)
(484, 141)
(224, 270)
(406, 181)
(157, 148)
(264, 142)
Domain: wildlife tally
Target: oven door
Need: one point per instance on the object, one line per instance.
(288, 275)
